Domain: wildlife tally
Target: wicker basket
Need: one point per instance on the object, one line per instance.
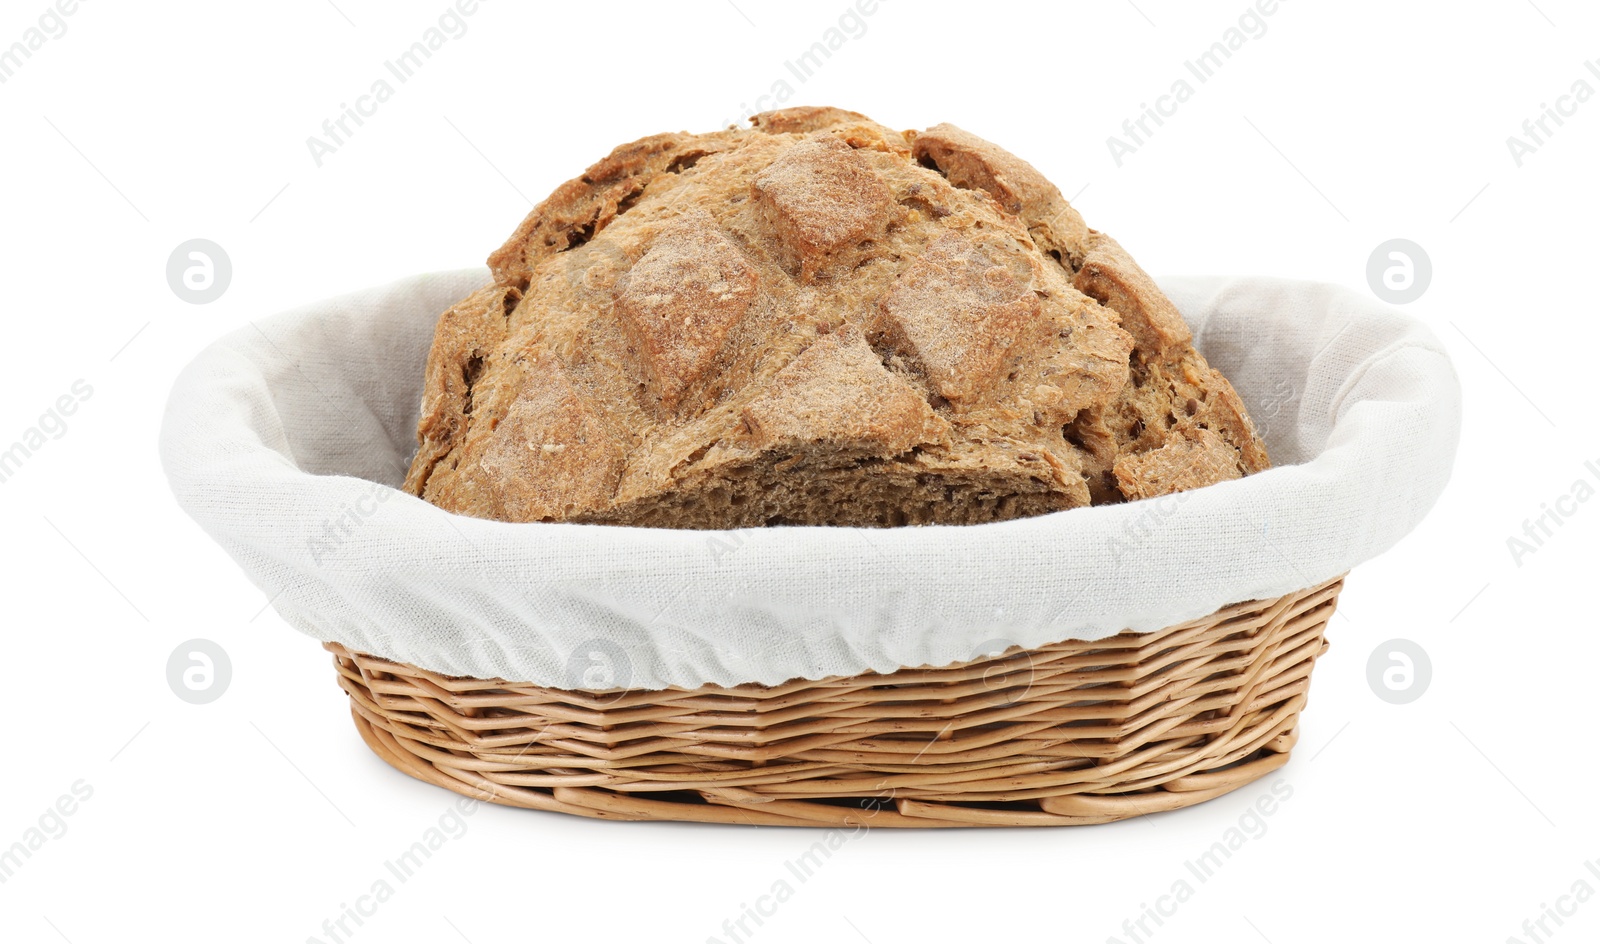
(1066, 734)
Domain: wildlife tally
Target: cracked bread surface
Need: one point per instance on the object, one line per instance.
(816, 320)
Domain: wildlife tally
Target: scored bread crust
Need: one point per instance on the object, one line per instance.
(816, 320)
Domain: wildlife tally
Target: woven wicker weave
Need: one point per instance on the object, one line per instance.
(1070, 733)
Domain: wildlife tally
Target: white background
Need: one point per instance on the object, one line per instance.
(255, 818)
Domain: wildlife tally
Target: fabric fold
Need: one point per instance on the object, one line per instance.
(287, 439)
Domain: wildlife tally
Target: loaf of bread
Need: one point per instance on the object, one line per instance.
(820, 321)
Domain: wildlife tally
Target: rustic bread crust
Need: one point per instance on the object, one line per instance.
(817, 320)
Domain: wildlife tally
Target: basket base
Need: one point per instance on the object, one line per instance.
(852, 814)
(1069, 734)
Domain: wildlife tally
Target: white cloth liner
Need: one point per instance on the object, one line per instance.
(275, 435)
